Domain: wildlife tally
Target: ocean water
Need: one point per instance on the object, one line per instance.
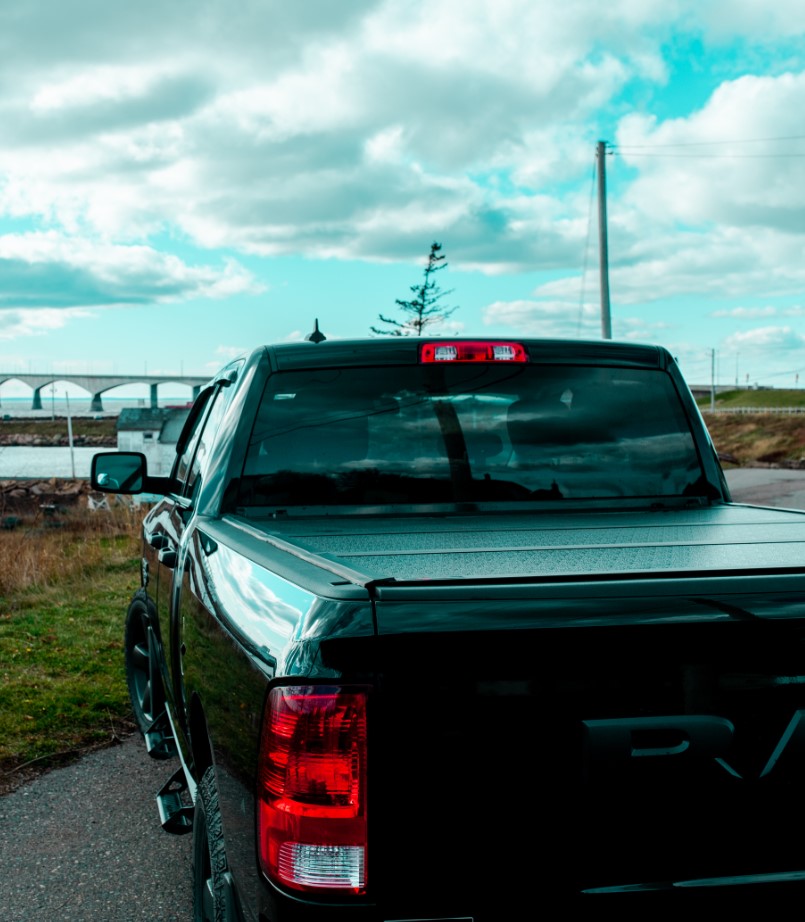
(78, 406)
(25, 462)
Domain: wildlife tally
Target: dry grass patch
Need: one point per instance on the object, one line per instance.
(63, 598)
(758, 437)
(41, 550)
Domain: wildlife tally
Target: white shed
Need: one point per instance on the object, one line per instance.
(154, 431)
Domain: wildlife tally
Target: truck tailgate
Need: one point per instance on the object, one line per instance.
(651, 754)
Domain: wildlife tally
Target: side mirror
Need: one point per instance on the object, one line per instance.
(118, 472)
(126, 472)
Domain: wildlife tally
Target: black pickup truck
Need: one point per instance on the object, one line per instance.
(464, 630)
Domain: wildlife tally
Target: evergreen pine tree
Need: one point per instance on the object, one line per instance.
(423, 309)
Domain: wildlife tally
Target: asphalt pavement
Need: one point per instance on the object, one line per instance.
(777, 487)
(83, 843)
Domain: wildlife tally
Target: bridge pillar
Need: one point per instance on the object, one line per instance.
(96, 406)
(196, 390)
(37, 403)
(154, 402)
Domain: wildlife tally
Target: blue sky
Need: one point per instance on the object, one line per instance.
(181, 182)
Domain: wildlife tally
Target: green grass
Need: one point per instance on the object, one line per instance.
(62, 678)
(774, 397)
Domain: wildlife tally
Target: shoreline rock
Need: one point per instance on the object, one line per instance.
(29, 440)
(33, 497)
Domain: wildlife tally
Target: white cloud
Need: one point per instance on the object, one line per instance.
(225, 353)
(766, 338)
(90, 87)
(728, 18)
(49, 270)
(745, 313)
(728, 164)
(712, 263)
(361, 130)
(374, 114)
(387, 145)
(16, 323)
(558, 318)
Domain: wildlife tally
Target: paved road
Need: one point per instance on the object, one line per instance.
(768, 486)
(83, 843)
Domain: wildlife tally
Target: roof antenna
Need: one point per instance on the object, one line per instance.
(316, 336)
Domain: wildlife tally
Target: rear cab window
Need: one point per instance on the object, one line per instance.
(479, 433)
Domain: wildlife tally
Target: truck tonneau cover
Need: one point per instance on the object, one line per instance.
(721, 538)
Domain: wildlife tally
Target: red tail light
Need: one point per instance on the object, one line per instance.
(472, 352)
(312, 788)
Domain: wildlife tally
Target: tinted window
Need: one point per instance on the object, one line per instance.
(468, 433)
(203, 440)
(190, 438)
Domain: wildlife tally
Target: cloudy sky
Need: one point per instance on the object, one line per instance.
(182, 181)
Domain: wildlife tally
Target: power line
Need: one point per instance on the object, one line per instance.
(672, 149)
(784, 374)
(632, 153)
(792, 137)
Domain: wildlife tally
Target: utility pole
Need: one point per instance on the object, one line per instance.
(712, 379)
(70, 434)
(603, 247)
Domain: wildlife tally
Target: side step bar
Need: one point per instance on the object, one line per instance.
(175, 815)
(159, 741)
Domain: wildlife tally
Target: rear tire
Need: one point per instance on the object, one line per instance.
(210, 874)
(143, 676)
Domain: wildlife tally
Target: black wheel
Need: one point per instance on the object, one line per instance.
(211, 892)
(142, 670)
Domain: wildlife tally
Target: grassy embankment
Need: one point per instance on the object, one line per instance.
(64, 589)
(64, 592)
(758, 438)
(64, 586)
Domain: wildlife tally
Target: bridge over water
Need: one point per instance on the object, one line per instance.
(97, 385)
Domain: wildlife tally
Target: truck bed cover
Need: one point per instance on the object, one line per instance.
(555, 545)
